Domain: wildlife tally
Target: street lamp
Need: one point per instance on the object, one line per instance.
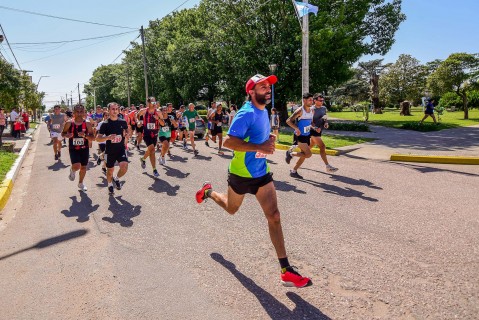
(272, 68)
(41, 79)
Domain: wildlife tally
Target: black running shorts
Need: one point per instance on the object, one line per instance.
(80, 156)
(149, 140)
(304, 139)
(111, 158)
(315, 133)
(216, 130)
(139, 129)
(102, 147)
(242, 185)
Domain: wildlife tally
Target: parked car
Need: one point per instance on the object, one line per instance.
(44, 116)
(200, 129)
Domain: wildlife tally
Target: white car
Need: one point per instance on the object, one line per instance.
(44, 116)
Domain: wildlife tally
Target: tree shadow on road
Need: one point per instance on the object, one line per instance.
(81, 209)
(57, 166)
(122, 212)
(427, 169)
(343, 192)
(274, 308)
(161, 186)
(287, 187)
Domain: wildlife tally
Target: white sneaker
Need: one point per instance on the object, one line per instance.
(72, 175)
(164, 161)
(330, 168)
(159, 161)
(82, 187)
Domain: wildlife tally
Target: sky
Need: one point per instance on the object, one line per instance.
(433, 30)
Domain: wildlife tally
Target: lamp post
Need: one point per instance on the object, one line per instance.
(272, 68)
(38, 83)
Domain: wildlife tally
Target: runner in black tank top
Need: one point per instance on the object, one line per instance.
(80, 133)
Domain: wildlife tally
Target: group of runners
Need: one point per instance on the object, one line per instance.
(249, 137)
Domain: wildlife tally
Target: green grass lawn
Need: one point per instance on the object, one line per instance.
(33, 125)
(391, 118)
(6, 161)
(331, 142)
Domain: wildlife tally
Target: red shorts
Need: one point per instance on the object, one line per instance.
(173, 135)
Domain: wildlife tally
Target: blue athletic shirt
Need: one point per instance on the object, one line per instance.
(251, 125)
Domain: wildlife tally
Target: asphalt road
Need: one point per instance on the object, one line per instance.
(380, 240)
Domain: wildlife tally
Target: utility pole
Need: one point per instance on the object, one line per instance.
(94, 98)
(66, 100)
(144, 61)
(128, 82)
(305, 50)
(79, 98)
(71, 100)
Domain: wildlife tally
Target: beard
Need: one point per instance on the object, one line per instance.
(261, 98)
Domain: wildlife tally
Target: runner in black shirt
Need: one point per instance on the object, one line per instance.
(116, 133)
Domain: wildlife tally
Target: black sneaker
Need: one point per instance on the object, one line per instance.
(143, 163)
(98, 161)
(104, 170)
(117, 183)
(207, 144)
(56, 156)
(196, 152)
(295, 175)
(155, 173)
(111, 190)
(288, 156)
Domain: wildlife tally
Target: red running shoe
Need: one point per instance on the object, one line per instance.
(291, 278)
(201, 194)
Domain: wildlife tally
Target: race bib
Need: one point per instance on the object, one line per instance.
(165, 129)
(192, 120)
(56, 126)
(118, 138)
(151, 126)
(260, 155)
(78, 141)
(307, 129)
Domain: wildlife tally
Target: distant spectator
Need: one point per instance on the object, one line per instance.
(26, 119)
(3, 123)
(429, 111)
(13, 118)
(275, 123)
(232, 113)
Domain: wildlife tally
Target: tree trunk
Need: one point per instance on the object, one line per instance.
(405, 108)
(466, 110)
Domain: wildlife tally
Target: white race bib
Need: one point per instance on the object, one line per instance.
(165, 129)
(118, 138)
(260, 155)
(151, 126)
(307, 129)
(192, 120)
(56, 126)
(78, 141)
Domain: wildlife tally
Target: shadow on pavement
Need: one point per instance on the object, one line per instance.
(274, 308)
(287, 187)
(122, 212)
(161, 186)
(50, 242)
(176, 158)
(348, 180)
(104, 182)
(81, 209)
(344, 192)
(172, 172)
(426, 169)
(57, 166)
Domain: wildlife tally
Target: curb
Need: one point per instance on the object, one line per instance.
(435, 159)
(7, 185)
(329, 152)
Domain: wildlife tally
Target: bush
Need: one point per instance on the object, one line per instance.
(450, 99)
(473, 99)
(202, 112)
(349, 126)
(336, 108)
(425, 127)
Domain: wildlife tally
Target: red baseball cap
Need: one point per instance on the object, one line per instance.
(254, 80)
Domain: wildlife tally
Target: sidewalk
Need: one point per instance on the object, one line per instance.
(463, 141)
(20, 142)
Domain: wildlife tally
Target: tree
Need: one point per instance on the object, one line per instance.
(458, 73)
(403, 80)
(372, 69)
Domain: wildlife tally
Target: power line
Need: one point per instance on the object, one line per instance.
(125, 49)
(178, 7)
(76, 40)
(63, 18)
(6, 39)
